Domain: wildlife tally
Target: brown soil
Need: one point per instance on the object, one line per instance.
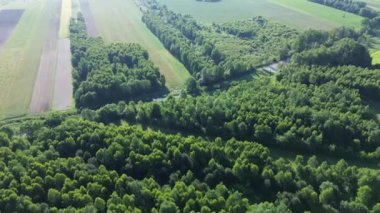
(44, 86)
(8, 21)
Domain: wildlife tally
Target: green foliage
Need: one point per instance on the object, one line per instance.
(127, 169)
(308, 108)
(219, 52)
(355, 54)
(110, 73)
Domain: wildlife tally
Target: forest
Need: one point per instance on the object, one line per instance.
(317, 108)
(63, 163)
(304, 138)
(110, 73)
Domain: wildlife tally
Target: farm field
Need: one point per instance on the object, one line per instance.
(65, 18)
(28, 59)
(8, 21)
(374, 4)
(120, 20)
(21, 54)
(89, 18)
(13, 4)
(297, 13)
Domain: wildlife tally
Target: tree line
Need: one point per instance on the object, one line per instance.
(352, 6)
(110, 73)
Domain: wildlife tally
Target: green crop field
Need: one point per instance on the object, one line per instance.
(20, 57)
(12, 4)
(375, 4)
(321, 12)
(120, 20)
(297, 13)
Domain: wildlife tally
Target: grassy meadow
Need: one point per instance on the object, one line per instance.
(20, 57)
(321, 12)
(297, 13)
(120, 20)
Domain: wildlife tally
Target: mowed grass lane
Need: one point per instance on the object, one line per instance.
(120, 20)
(20, 57)
(296, 13)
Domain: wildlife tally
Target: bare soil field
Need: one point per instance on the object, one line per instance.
(44, 85)
(8, 21)
(63, 89)
(89, 18)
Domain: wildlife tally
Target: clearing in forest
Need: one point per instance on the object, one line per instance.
(375, 50)
(120, 20)
(297, 13)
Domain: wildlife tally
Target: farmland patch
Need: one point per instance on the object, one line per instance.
(20, 56)
(44, 85)
(230, 10)
(63, 88)
(89, 18)
(8, 21)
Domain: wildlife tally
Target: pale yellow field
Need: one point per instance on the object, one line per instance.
(65, 18)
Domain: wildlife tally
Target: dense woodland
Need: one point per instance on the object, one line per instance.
(110, 73)
(62, 163)
(324, 110)
(219, 52)
(302, 110)
(205, 150)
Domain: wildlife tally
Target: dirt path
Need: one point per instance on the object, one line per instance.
(63, 89)
(88, 18)
(44, 86)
